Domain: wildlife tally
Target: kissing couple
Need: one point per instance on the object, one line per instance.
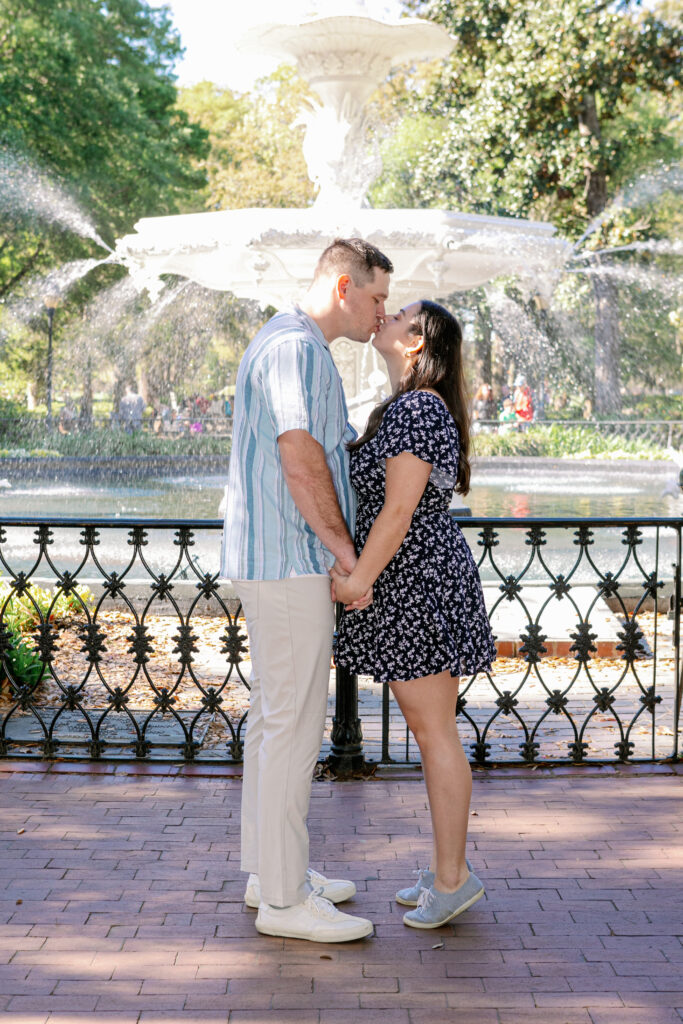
(414, 614)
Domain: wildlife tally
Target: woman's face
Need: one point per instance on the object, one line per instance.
(393, 337)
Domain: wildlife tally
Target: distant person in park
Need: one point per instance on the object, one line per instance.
(507, 417)
(201, 404)
(215, 414)
(427, 625)
(68, 416)
(163, 419)
(483, 406)
(131, 408)
(181, 419)
(288, 503)
(524, 403)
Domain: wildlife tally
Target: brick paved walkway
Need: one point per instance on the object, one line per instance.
(120, 900)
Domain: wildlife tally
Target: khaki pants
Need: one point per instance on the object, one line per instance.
(290, 624)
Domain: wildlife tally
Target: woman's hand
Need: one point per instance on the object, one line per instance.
(348, 590)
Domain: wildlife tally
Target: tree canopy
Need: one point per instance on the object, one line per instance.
(88, 99)
(255, 156)
(545, 110)
(546, 104)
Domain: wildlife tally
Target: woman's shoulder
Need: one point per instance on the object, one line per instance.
(423, 404)
(422, 413)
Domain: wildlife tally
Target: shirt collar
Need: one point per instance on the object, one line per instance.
(307, 321)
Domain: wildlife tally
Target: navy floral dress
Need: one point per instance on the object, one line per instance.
(428, 612)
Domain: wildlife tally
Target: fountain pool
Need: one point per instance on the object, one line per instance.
(500, 487)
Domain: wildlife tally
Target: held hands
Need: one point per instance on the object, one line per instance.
(347, 590)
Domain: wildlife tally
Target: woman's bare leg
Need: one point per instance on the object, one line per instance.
(428, 705)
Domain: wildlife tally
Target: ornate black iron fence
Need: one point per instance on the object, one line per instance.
(587, 619)
(118, 641)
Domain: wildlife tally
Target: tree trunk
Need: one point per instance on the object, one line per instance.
(607, 348)
(143, 387)
(497, 365)
(120, 381)
(85, 412)
(606, 390)
(483, 359)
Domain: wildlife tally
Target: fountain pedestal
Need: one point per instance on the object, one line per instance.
(270, 255)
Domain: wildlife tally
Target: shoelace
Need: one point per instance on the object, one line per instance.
(425, 899)
(317, 904)
(315, 878)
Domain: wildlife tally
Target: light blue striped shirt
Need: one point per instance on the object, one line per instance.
(287, 380)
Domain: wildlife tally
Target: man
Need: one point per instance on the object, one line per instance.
(131, 408)
(288, 504)
(524, 405)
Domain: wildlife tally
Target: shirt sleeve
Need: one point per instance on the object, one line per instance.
(418, 422)
(295, 381)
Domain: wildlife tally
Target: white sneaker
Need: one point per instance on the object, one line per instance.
(316, 919)
(334, 889)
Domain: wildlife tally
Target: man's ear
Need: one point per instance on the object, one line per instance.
(342, 285)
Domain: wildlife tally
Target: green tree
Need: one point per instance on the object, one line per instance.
(91, 139)
(549, 108)
(255, 156)
(88, 116)
(196, 344)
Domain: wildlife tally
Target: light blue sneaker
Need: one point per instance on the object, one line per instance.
(425, 880)
(435, 908)
(408, 897)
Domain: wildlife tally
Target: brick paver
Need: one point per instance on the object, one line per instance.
(121, 901)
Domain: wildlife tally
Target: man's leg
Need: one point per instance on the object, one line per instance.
(248, 593)
(290, 624)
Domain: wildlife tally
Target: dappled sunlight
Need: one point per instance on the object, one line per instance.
(124, 893)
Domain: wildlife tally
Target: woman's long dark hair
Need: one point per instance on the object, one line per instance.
(438, 366)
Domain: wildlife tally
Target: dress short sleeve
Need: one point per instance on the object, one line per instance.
(419, 422)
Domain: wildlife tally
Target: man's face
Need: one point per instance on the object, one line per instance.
(363, 306)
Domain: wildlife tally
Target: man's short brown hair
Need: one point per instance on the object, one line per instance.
(355, 257)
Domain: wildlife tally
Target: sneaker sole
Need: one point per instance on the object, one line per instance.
(405, 903)
(333, 935)
(456, 913)
(253, 904)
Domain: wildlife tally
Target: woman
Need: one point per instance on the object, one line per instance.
(427, 624)
(483, 406)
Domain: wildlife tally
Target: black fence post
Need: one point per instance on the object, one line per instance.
(346, 752)
(677, 647)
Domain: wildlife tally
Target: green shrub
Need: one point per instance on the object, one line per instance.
(653, 407)
(555, 441)
(24, 663)
(20, 613)
(112, 443)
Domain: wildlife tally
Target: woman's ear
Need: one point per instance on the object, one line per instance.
(419, 343)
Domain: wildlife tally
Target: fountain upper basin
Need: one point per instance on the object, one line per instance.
(270, 255)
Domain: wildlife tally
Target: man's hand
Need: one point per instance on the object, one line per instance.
(348, 591)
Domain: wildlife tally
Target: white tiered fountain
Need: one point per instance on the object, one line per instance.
(269, 254)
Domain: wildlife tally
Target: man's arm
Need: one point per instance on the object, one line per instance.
(308, 478)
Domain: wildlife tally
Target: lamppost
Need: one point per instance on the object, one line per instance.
(51, 302)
